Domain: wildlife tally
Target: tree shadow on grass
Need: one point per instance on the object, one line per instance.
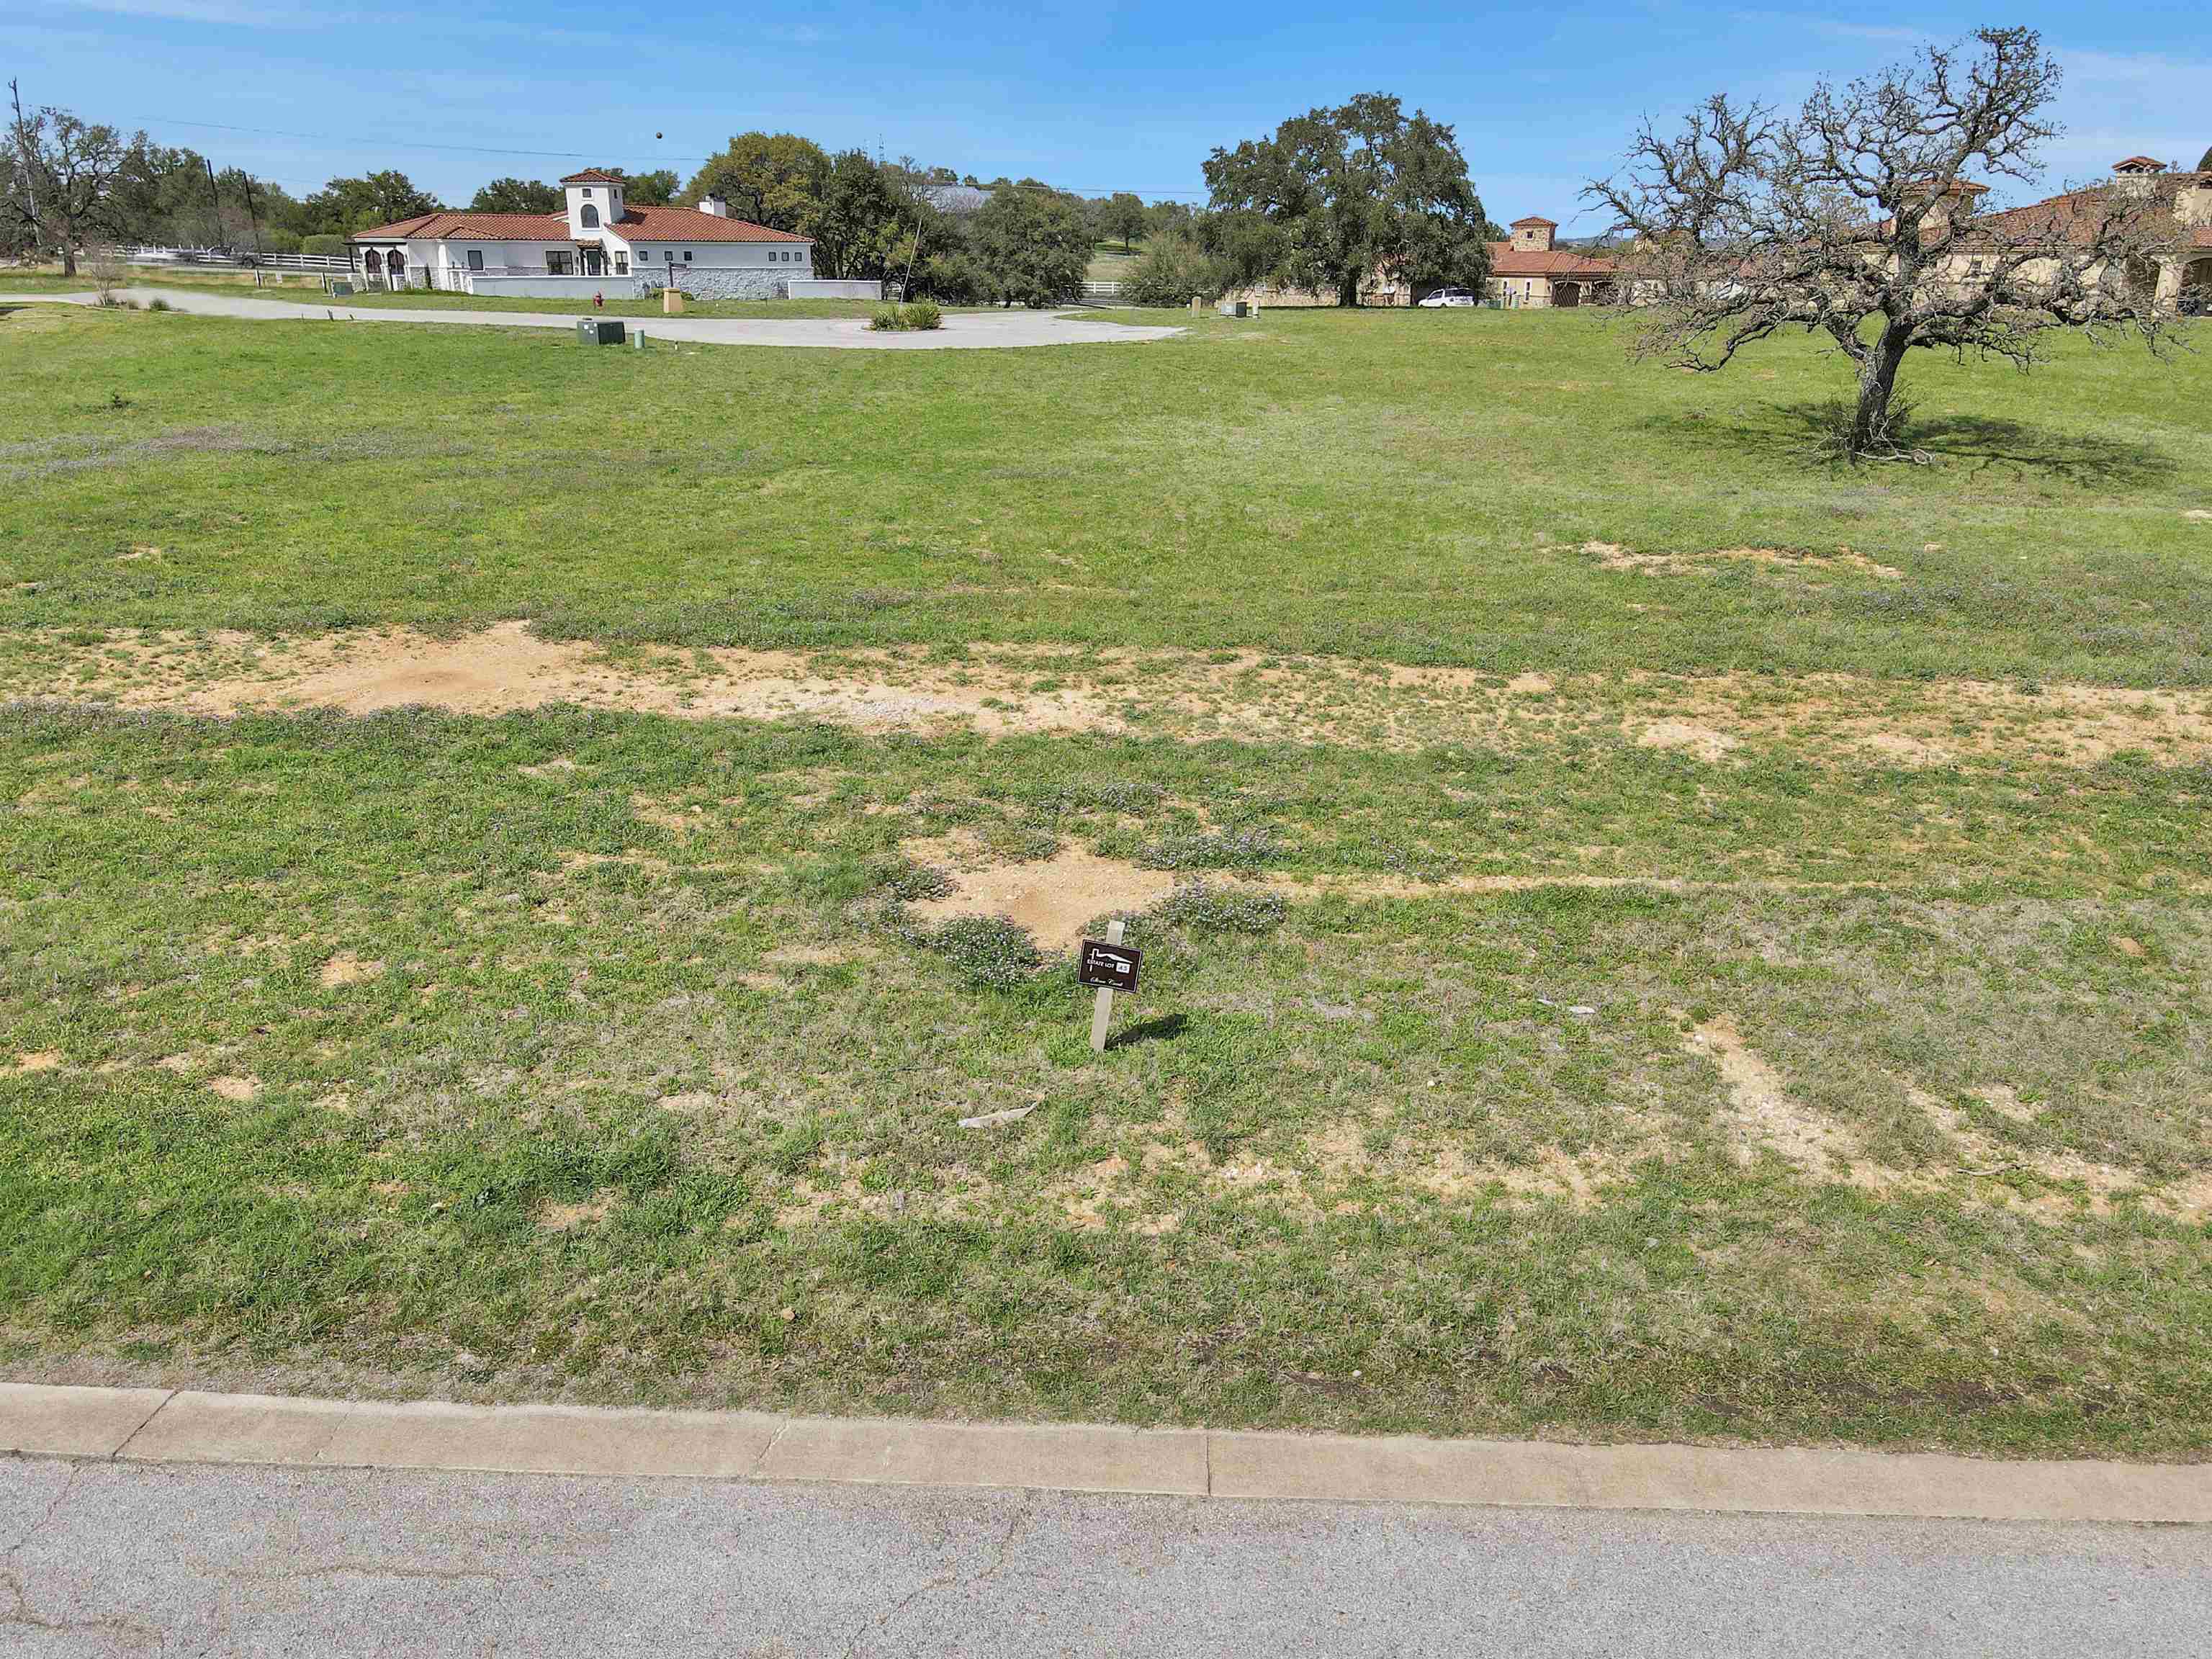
(1804, 432)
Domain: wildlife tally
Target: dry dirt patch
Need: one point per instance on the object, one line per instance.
(1765, 1116)
(567, 1217)
(347, 968)
(1611, 556)
(999, 690)
(238, 1089)
(1702, 741)
(1053, 898)
(43, 1059)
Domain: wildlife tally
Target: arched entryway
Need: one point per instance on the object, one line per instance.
(2197, 288)
(395, 267)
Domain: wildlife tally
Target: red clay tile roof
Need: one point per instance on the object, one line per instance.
(474, 227)
(2140, 161)
(675, 224)
(593, 176)
(1534, 219)
(638, 224)
(1506, 260)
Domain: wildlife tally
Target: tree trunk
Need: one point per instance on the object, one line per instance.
(69, 256)
(1347, 289)
(1877, 380)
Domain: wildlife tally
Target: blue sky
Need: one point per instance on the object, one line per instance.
(1090, 95)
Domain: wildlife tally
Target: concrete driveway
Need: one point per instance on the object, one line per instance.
(963, 330)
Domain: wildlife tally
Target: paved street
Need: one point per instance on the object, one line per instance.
(184, 1560)
(962, 329)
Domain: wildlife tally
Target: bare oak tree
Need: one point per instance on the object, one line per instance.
(1857, 218)
(64, 178)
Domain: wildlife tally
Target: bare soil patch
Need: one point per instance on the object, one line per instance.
(1611, 556)
(1052, 899)
(1765, 1117)
(43, 1059)
(347, 968)
(567, 1217)
(238, 1089)
(1001, 689)
(1702, 741)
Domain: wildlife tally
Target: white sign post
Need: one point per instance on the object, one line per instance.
(1102, 1008)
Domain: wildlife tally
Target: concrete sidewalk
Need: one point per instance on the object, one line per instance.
(188, 1427)
(963, 330)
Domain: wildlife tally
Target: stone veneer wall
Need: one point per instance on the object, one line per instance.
(720, 281)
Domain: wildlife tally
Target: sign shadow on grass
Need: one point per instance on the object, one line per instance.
(1161, 1028)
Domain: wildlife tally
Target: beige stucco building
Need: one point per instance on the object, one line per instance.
(2175, 270)
(1530, 269)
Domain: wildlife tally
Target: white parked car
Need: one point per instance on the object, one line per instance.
(1448, 296)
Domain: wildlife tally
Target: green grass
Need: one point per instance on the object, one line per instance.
(1109, 263)
(1430, 479)
(721, 1039)
(600, 1056)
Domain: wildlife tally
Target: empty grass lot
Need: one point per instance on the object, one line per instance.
(1647, 935)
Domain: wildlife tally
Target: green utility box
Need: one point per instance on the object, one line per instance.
(598, 330)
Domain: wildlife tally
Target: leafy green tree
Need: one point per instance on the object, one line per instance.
(62, 187)
(1034, 247)
(776, 180)
(1173, 270)
(867, 218)
(516, 196)
(1124, 216)
(655, 189)
(1356, 191)
(345, 206)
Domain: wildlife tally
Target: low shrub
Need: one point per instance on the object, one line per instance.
(920, 315)
(1212, 849)
(1173, 270)
(990, 952)
(1203, 907)
(157, 303)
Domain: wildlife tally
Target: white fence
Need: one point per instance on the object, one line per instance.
(228, 259)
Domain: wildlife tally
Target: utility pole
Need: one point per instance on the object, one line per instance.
(214, 197)
(252, 217)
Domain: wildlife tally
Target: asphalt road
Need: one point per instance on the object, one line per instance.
(963, 329)
(99, 1559)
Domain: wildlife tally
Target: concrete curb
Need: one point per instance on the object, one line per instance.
(186, 1426)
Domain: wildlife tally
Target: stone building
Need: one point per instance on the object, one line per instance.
(1529, 270)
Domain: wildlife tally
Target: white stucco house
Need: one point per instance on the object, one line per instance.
(600, 245)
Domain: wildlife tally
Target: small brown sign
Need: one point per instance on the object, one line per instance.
(1108, 966)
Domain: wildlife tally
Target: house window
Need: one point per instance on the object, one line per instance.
(622, 264)
(687, 256)
(559, 264)
(589, 217)
(476, 259)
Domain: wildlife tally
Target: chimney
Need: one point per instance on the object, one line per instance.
(716, 205)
